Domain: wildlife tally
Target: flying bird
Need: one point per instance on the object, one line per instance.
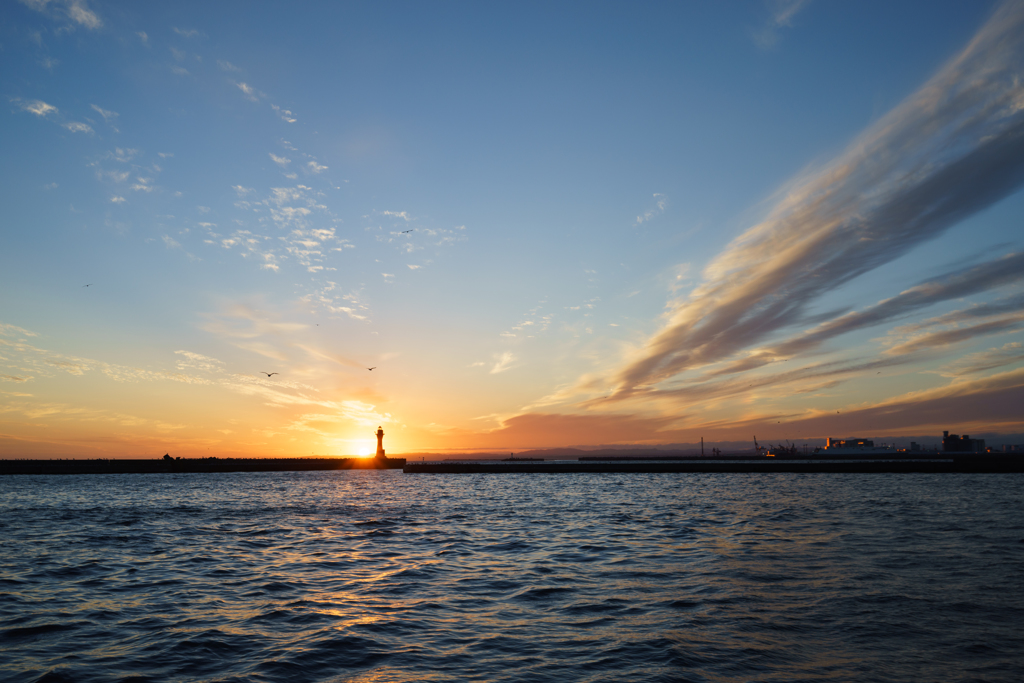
(373, 368)
(405, 231)
(88, 285)
(269, 374)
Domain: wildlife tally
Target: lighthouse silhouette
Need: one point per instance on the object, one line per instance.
(380, 443)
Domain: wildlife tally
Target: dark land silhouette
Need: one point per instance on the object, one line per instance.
(195, 465)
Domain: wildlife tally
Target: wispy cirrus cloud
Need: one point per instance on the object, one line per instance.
(285, 114)
(78, 127)
(24, 357)
(188, 32)
(37, 107)
(332, 298)
(330, 356)
(252, 245)
(943, 338)
(194, 361)
(81, 14)
(252, 330)
(973, 403)
(143, 185)
(251, 93)
(298, 210)
(1000, 272)
(1009, 304)
(50, 112)
(948, 151)
(13, 330)
(503, 362)
(77, 11)
(781, 16)
(21, 362)
(971, 364)
(109, 117)
(408, 240)
(659, 208)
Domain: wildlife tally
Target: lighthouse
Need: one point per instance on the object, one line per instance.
(380, 443)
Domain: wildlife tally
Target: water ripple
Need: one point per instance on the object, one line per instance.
(370, 577)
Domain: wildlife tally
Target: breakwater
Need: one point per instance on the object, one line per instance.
(196, 465)
(971, 463)
(965, 464)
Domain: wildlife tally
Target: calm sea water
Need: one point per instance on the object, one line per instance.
(378, 576)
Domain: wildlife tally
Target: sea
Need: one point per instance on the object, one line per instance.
(379, 576)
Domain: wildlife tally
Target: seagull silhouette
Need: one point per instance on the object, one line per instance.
(405, 231)
(88, 285)
(269, 374)
(373, 368)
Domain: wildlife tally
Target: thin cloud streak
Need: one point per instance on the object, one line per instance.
(37, 107)
(990, 402)
(1011, 304)
(953, 148)
(1008, 354)
(949, 337)
(981, 278)
(797, 380)
(503, 363)
(782, 17)
(75, 10)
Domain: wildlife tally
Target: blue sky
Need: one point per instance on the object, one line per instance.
(543, 224)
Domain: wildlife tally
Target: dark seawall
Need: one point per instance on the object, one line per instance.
(195, 465)
(963, 464)
(972, 463)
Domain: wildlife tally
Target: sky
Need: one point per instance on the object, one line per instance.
(551, 224)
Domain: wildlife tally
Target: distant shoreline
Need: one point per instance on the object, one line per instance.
(195, 465)
(931, 463)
